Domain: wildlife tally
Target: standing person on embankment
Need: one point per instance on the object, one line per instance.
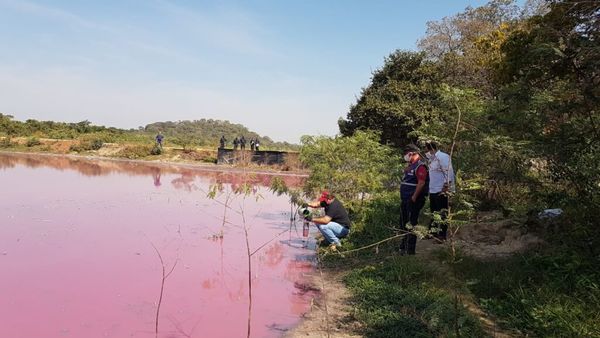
(413, 189)
(159, 139)
(243, 143)
(441, 182)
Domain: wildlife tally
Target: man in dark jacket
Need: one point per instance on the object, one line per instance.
(413, 190)
(336, 222)
(243, 143)
(159, 139)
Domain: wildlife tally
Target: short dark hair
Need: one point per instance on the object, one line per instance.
(411, 148)
(431, 145)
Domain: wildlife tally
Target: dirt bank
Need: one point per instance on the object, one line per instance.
(331, 312)
(163, 163)
(196, 157)
(489, 238)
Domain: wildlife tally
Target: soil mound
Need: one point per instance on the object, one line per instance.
(494, 236)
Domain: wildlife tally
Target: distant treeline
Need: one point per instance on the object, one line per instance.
(204, 132)
(209, 131)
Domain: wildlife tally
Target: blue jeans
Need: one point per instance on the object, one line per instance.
(333, 231)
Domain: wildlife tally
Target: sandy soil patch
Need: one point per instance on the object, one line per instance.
(492, 236)
(330, 314)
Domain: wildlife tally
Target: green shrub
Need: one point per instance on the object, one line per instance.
(86, 144)
(156, 150)
(96, 144)
(351, 167)
(135, 151)
(33, 141)
(62, 134)
(76, 147)
(209, 159)
(407, 297)
(6, 142)
(553, 294)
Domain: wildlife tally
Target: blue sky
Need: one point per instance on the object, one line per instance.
(282, 68)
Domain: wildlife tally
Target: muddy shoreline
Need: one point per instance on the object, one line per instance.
(207, 167)
(330, 313)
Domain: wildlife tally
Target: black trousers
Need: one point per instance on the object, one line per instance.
(437, 203)
(410, 213)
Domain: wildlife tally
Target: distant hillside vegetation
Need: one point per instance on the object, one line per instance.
(207, 132)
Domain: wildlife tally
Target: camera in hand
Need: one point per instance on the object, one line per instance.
(305, 213)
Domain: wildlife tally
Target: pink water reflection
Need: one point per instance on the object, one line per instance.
(77, 260)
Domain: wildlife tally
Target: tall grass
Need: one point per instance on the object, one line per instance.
(407, 297)
(551, 293)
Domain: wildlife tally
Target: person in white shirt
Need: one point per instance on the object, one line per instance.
(441, 181)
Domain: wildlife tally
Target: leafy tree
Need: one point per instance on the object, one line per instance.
(402, 94)
(466, 44)
(353, 167)
(550, 94)
(8, 126)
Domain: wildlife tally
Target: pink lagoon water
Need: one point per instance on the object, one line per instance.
(77, 256)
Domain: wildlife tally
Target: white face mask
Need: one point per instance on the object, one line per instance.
(407, 157)
(429, 156)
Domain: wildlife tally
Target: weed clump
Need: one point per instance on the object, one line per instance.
(86, 145)
(32, 142)
(156, 150)
(134, 151)
(6, 142)
(407, 297)
(209, 159)
(545, 294)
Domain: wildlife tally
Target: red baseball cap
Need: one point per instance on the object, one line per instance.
(325, 195)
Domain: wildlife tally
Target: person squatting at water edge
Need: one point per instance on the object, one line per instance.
(441, 182)
(335, 224)
(413, 189)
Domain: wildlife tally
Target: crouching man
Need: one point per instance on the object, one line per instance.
(336, 223)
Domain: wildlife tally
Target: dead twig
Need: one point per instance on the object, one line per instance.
(165, 275)
(375, 244)
(249, 269)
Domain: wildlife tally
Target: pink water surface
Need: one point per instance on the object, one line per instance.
(76, 254)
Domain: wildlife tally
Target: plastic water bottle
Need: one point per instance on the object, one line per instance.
(305, 229)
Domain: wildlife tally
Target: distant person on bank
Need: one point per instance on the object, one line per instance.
(243, 143)
(441, 182)
(252, 147)
(235, 143)
(257, 145)
(222, 142)
(413, 189)
(159, 139)
(336, 223)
